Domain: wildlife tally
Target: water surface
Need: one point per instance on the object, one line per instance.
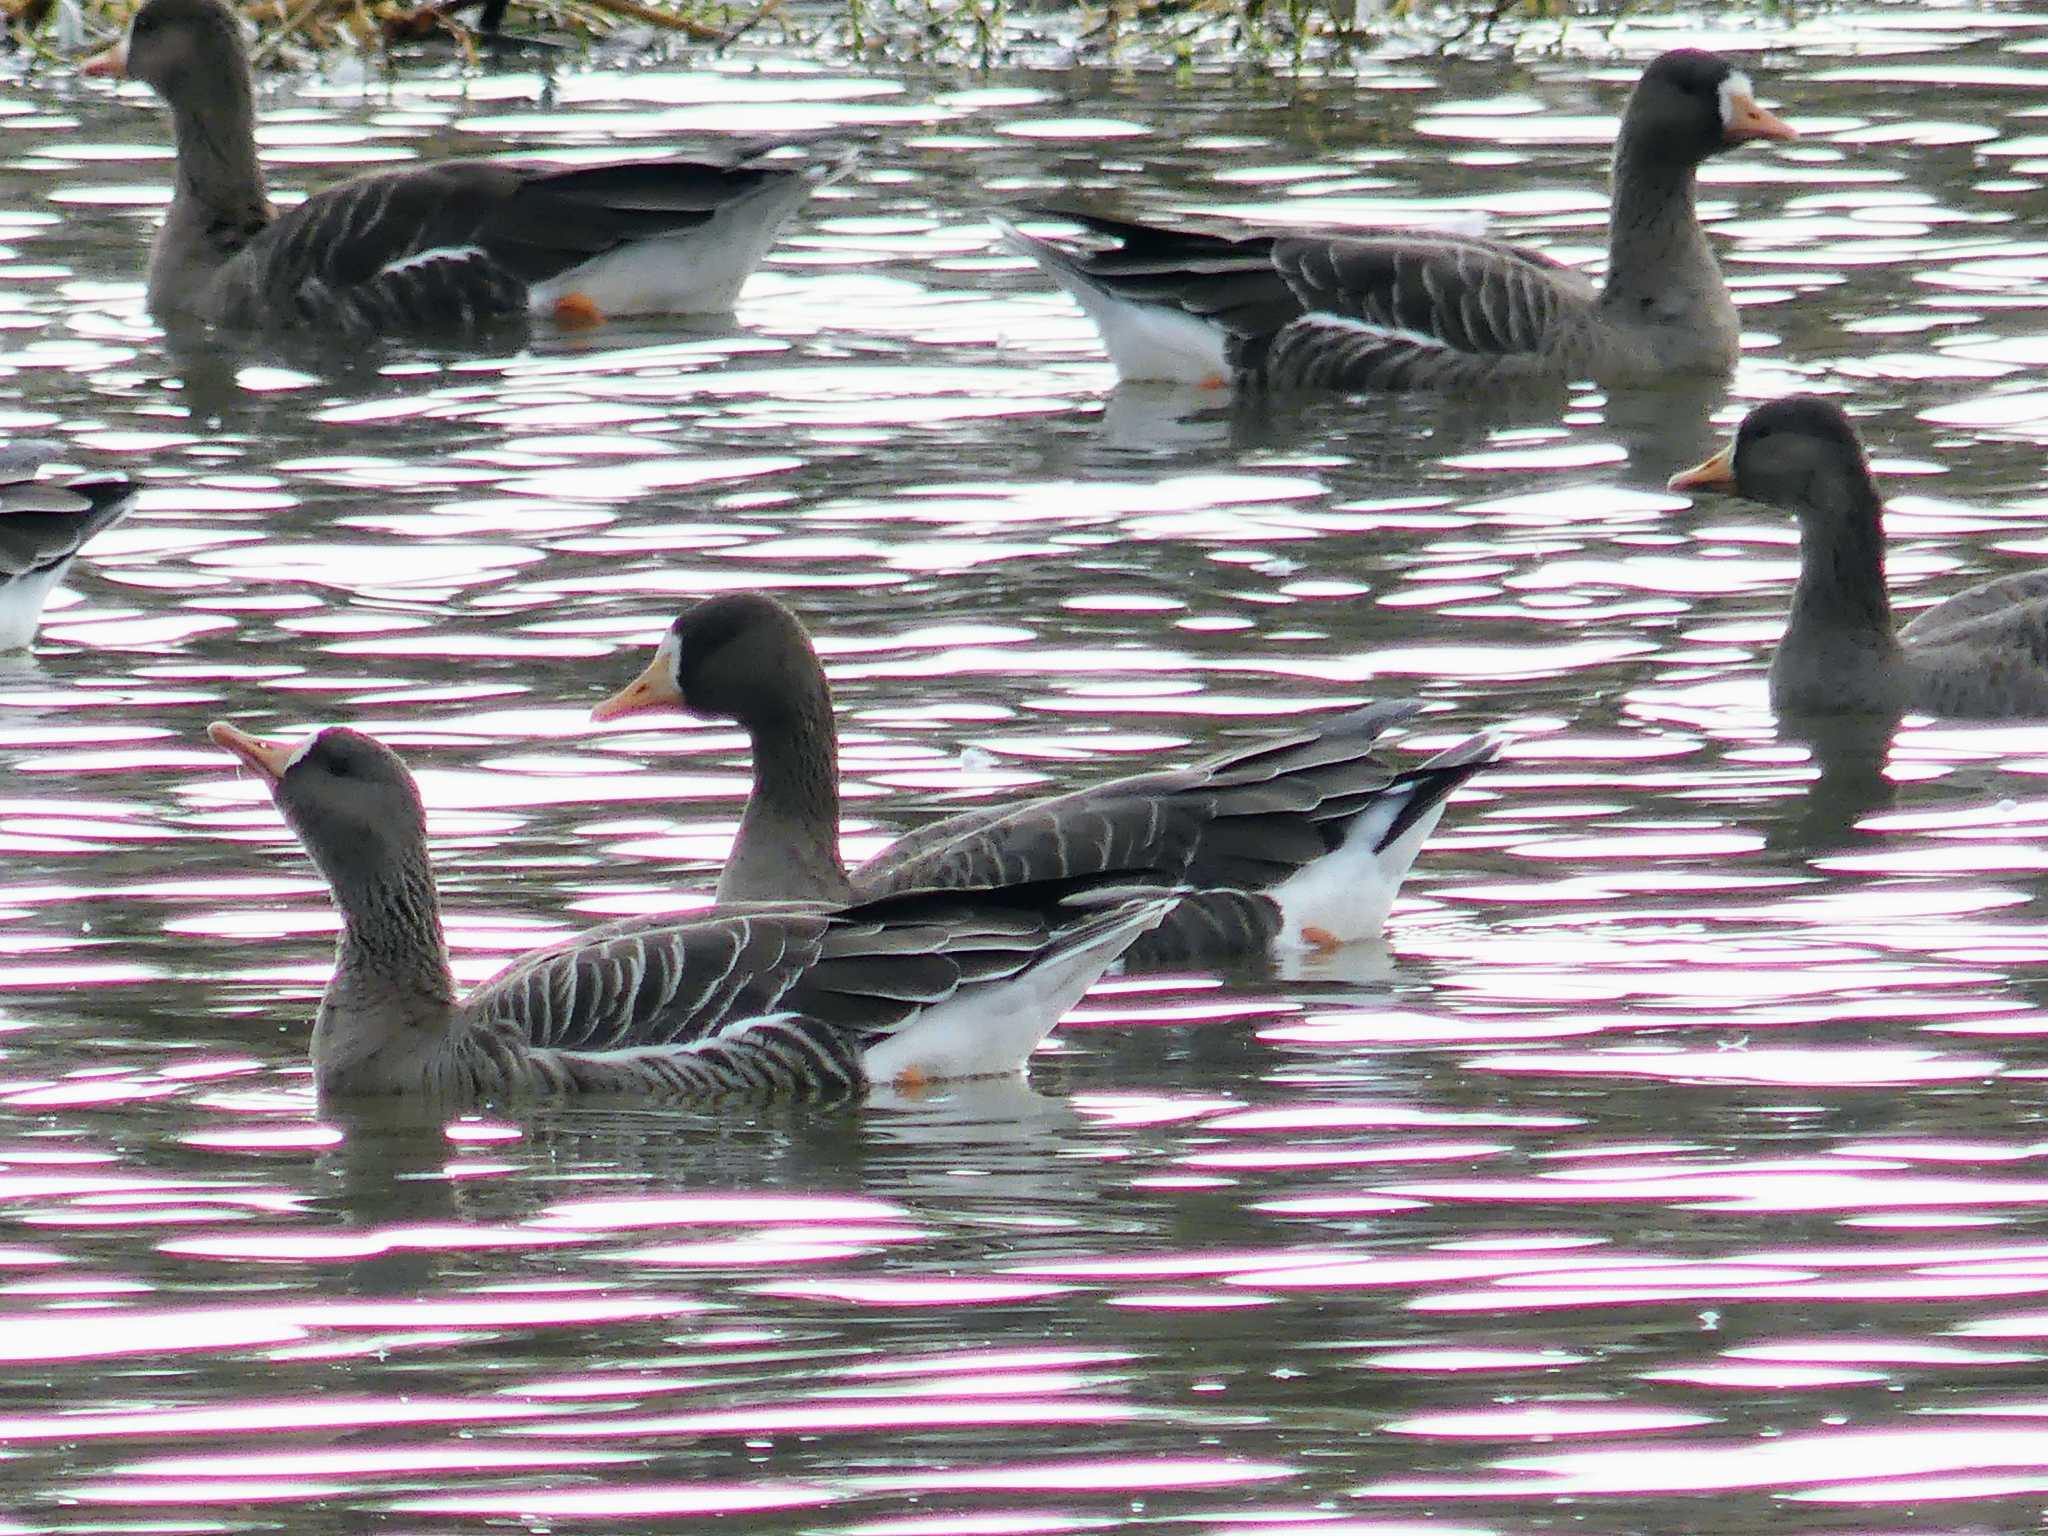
(1675, 1165)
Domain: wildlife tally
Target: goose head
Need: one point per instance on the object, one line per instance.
(352, 802)
(1690, 104)
(1800, 453)
(739, 656)
(181, 48)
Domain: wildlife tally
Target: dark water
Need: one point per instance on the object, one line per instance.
(1677, 1166)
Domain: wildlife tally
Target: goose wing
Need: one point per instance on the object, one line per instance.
(46, 522)
(1988, 659)
(2004, 598)
(954, 984)
(655, 983)
(1395, 311)
(457, 246)
(1239, 820)
(857, 973)
(1230, 280)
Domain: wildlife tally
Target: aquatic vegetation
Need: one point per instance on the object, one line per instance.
(1274, 33)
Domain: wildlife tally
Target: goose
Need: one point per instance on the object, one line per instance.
(1297, 841)
(1982, 654)
(801, 999)
(1413, 310)
(457, 247)
(43, 526)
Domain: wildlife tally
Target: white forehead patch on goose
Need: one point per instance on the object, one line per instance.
(302, 749)
(1735, 89)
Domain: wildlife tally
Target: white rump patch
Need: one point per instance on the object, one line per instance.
(1735, 88)
(695, 271)
(1152, 343)
(1346, 894)
(428, 258)
(988, 1030)
(22, 600)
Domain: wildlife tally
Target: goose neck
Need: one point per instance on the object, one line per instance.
(1841, 565)
(788, 842)
(1655, 245)
(215, 132)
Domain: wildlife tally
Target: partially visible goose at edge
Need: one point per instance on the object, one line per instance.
(798, 1000)
(1298, 840)
(459, 246)
(1983, 653)
(43, 525)
(1413, 310)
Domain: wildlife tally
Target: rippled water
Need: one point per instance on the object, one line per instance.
(1676, 1166)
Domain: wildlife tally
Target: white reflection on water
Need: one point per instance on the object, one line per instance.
(1680, 1138)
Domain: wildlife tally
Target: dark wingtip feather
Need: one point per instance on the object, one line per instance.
(1432, 783)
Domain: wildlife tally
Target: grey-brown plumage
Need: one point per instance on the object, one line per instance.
(1440, 312)
(43, 525)
(1300, 837)
(459, 247)
(1982, 654)
(801, 1000)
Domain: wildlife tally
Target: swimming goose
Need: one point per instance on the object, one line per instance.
(456, 247)
(43, 525)
(1414, 310)
(796, 1000)
(1981, 654)
(1296, 841)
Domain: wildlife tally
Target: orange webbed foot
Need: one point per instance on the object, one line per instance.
(578, 312)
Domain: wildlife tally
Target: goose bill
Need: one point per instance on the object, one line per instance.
(1715, 474)
(1747, 120)
(269, 759)
(112, 64)
(653, 689)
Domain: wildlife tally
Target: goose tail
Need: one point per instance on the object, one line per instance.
(1345, 895)
(43, 525)
(989, 1029)
(692, 266)
(1147, 338)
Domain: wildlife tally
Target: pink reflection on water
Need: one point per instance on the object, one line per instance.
(1450, 1359)
(1349, 1156)
(1544, 1420)
(1750, 1187)
(274, 1415)
(1002, 1523)
(107, 1333)
(1788, 1462)
(1766, 1378)
(647, 1502)
(990, 1360)
(224, 1492)
(360, 1462)
(310, 1137)
(858, 1416)
(922, 1291)
(1168, 1265)
(1189, 1300)
(305, 1247)
(1130, 1475)
(766, 1248)
(1849, 1067)
(716, 1210)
